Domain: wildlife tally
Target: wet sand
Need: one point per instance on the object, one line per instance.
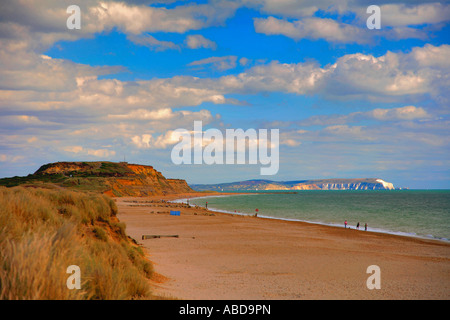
(223, 256)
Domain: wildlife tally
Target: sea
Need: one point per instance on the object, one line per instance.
(413, 213)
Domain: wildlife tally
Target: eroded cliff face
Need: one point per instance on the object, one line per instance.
(114, 179)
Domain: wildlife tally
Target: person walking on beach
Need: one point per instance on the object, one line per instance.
(357, 225)
(365, 227)
(345, 224)
(206, 204)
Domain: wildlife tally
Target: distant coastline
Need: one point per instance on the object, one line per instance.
(316, 184)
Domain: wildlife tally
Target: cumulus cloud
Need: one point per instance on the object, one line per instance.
(40, 24)
(312, 28)
(198, 41)
(430, 56)
(298, 78)
(35, 86)
(394, 14)
(397, 19)
(58, 108)
(136, 19)
(162, 141)
(359, 74)
(353, 75)
(36, 25)
(424, 70)
(27, 70)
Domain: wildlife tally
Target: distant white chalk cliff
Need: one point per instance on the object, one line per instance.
(323, 184)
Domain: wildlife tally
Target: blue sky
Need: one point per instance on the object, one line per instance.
(349, 102)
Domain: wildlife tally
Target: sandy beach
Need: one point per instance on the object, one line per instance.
(223, 256)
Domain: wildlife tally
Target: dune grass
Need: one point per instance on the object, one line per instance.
(43, 231)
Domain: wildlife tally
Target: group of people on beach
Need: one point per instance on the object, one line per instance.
(357, 225)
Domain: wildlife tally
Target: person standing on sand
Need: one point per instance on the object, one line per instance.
(206, 204)
(365, 227)
(345, 224)
(357, 225)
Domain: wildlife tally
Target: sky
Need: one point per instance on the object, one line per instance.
(348, 101)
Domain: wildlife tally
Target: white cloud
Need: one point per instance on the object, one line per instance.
(360, 74)
(345, 130)
(39, 24)
(198, 41)
(99, 153)
(312, 28)
(60, 107)
(394, 75)
(403, 113)
(398, 33)
(431, 56)
(64, 85)
(74, 149)
(24, 121)
(289, 141)
(244, 61)
(298, 78)
(10, 158)
(159, 119)
(297, 8)
(396, 20)
(394, 14)
(21, 69)
(142, 114)
(218, 63)
(162, 141)
(136, 19)
(191, 42)
(407, 113)
(152, 43)
(410, 14)
(36, 25)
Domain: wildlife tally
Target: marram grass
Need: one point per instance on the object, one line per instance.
(42, 232)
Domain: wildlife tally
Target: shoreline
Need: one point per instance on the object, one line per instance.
(334, 225)
(224, 256)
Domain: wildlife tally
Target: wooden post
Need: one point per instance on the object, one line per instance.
(144, 237)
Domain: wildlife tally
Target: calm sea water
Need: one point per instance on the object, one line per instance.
(420, 213)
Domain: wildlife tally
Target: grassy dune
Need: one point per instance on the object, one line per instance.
(42, 232)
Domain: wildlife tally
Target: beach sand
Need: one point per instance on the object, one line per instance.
(223, 256)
